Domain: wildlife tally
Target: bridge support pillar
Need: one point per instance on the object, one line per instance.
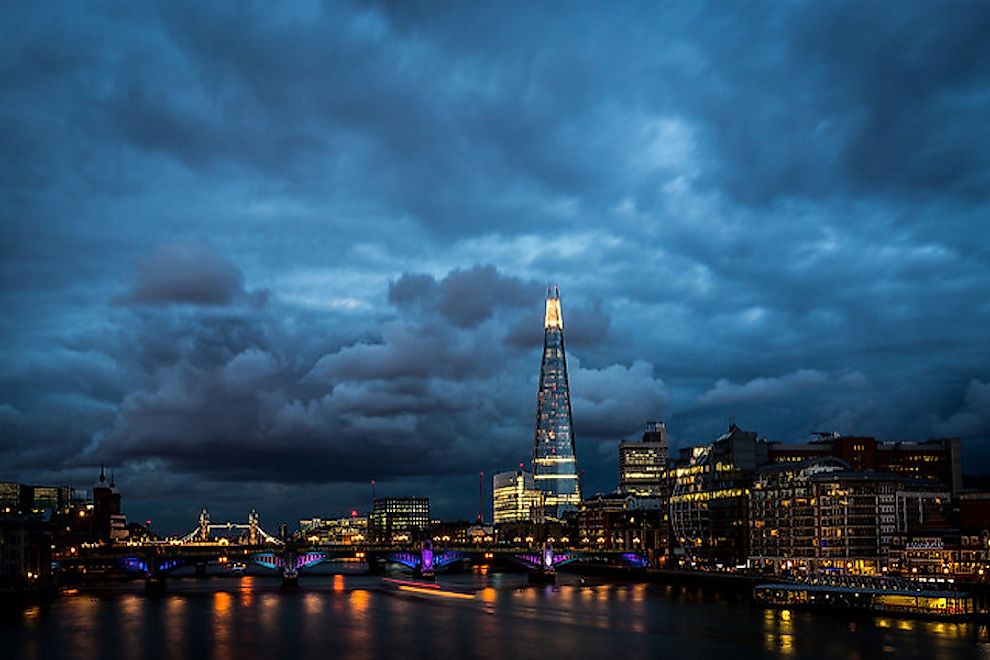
(201, 570)
(154, 584)
(290, 578)
(543, 576)
(375, 566)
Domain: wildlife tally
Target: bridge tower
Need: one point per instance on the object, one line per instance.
(545, 573)
(204, 525)
(426, 568)
(253, 527)
(290, 565)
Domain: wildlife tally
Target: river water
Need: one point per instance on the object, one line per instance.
(359, 616)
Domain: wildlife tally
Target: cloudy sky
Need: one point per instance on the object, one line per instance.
(257, 256)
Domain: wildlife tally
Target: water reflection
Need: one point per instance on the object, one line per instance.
(778, 629)
(131, 624)
(223, 641)
(356, 616)
(175, 627)
(247, 591)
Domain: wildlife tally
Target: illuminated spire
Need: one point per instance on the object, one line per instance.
(553, 317)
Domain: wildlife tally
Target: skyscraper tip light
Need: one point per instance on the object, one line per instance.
(554, 459)
(553, 317)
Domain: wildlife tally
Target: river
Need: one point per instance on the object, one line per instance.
(356, 616)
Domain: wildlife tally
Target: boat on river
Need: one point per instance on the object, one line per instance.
(928, 603)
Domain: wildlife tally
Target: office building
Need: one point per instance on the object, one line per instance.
(554, 457)
(939, 461)
(643, 464)
(515, 497)
(396, 520)
(709, 500)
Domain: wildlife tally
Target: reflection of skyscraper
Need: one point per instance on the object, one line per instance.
(554, 460)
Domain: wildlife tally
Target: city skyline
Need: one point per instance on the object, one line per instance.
(276, 262)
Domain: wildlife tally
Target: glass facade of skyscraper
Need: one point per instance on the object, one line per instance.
(554, 460)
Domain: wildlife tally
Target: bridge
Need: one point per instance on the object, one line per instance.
(156, 560)
(230, 544)
(250, 532)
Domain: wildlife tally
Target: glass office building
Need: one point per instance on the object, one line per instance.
(554, 459)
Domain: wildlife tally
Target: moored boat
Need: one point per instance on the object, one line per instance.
(941, 604)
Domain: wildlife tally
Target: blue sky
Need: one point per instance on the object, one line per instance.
(257, 255)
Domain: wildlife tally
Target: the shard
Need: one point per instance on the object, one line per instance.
(554, 460)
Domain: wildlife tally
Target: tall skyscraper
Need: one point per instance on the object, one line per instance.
(554, 460)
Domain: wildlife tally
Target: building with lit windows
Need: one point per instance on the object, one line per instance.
(783, 521)
(347, 530)
(51, 499)
(515, 497)
(709, 500)
(939, 461)
(643, 464)
(554, 458)
(12, 497)
(398, 520)
(819, 516)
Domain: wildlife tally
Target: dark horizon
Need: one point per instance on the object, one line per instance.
(257, 257)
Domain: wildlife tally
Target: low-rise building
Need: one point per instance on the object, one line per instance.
(346, 530)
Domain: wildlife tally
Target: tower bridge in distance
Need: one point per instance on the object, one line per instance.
(250, 531)
(251, 545)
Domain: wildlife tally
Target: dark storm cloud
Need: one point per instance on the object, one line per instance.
(268, 247)
(187, 273)
(466, 298)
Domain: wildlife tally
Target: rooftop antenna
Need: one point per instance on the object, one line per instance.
(373, 490)
(481, 497)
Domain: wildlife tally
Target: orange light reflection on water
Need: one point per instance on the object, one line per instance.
(339, 583)
(222, 630)
(359, 600)
(131, 628)
(778, 630)
(247, 591)
(175, 612)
